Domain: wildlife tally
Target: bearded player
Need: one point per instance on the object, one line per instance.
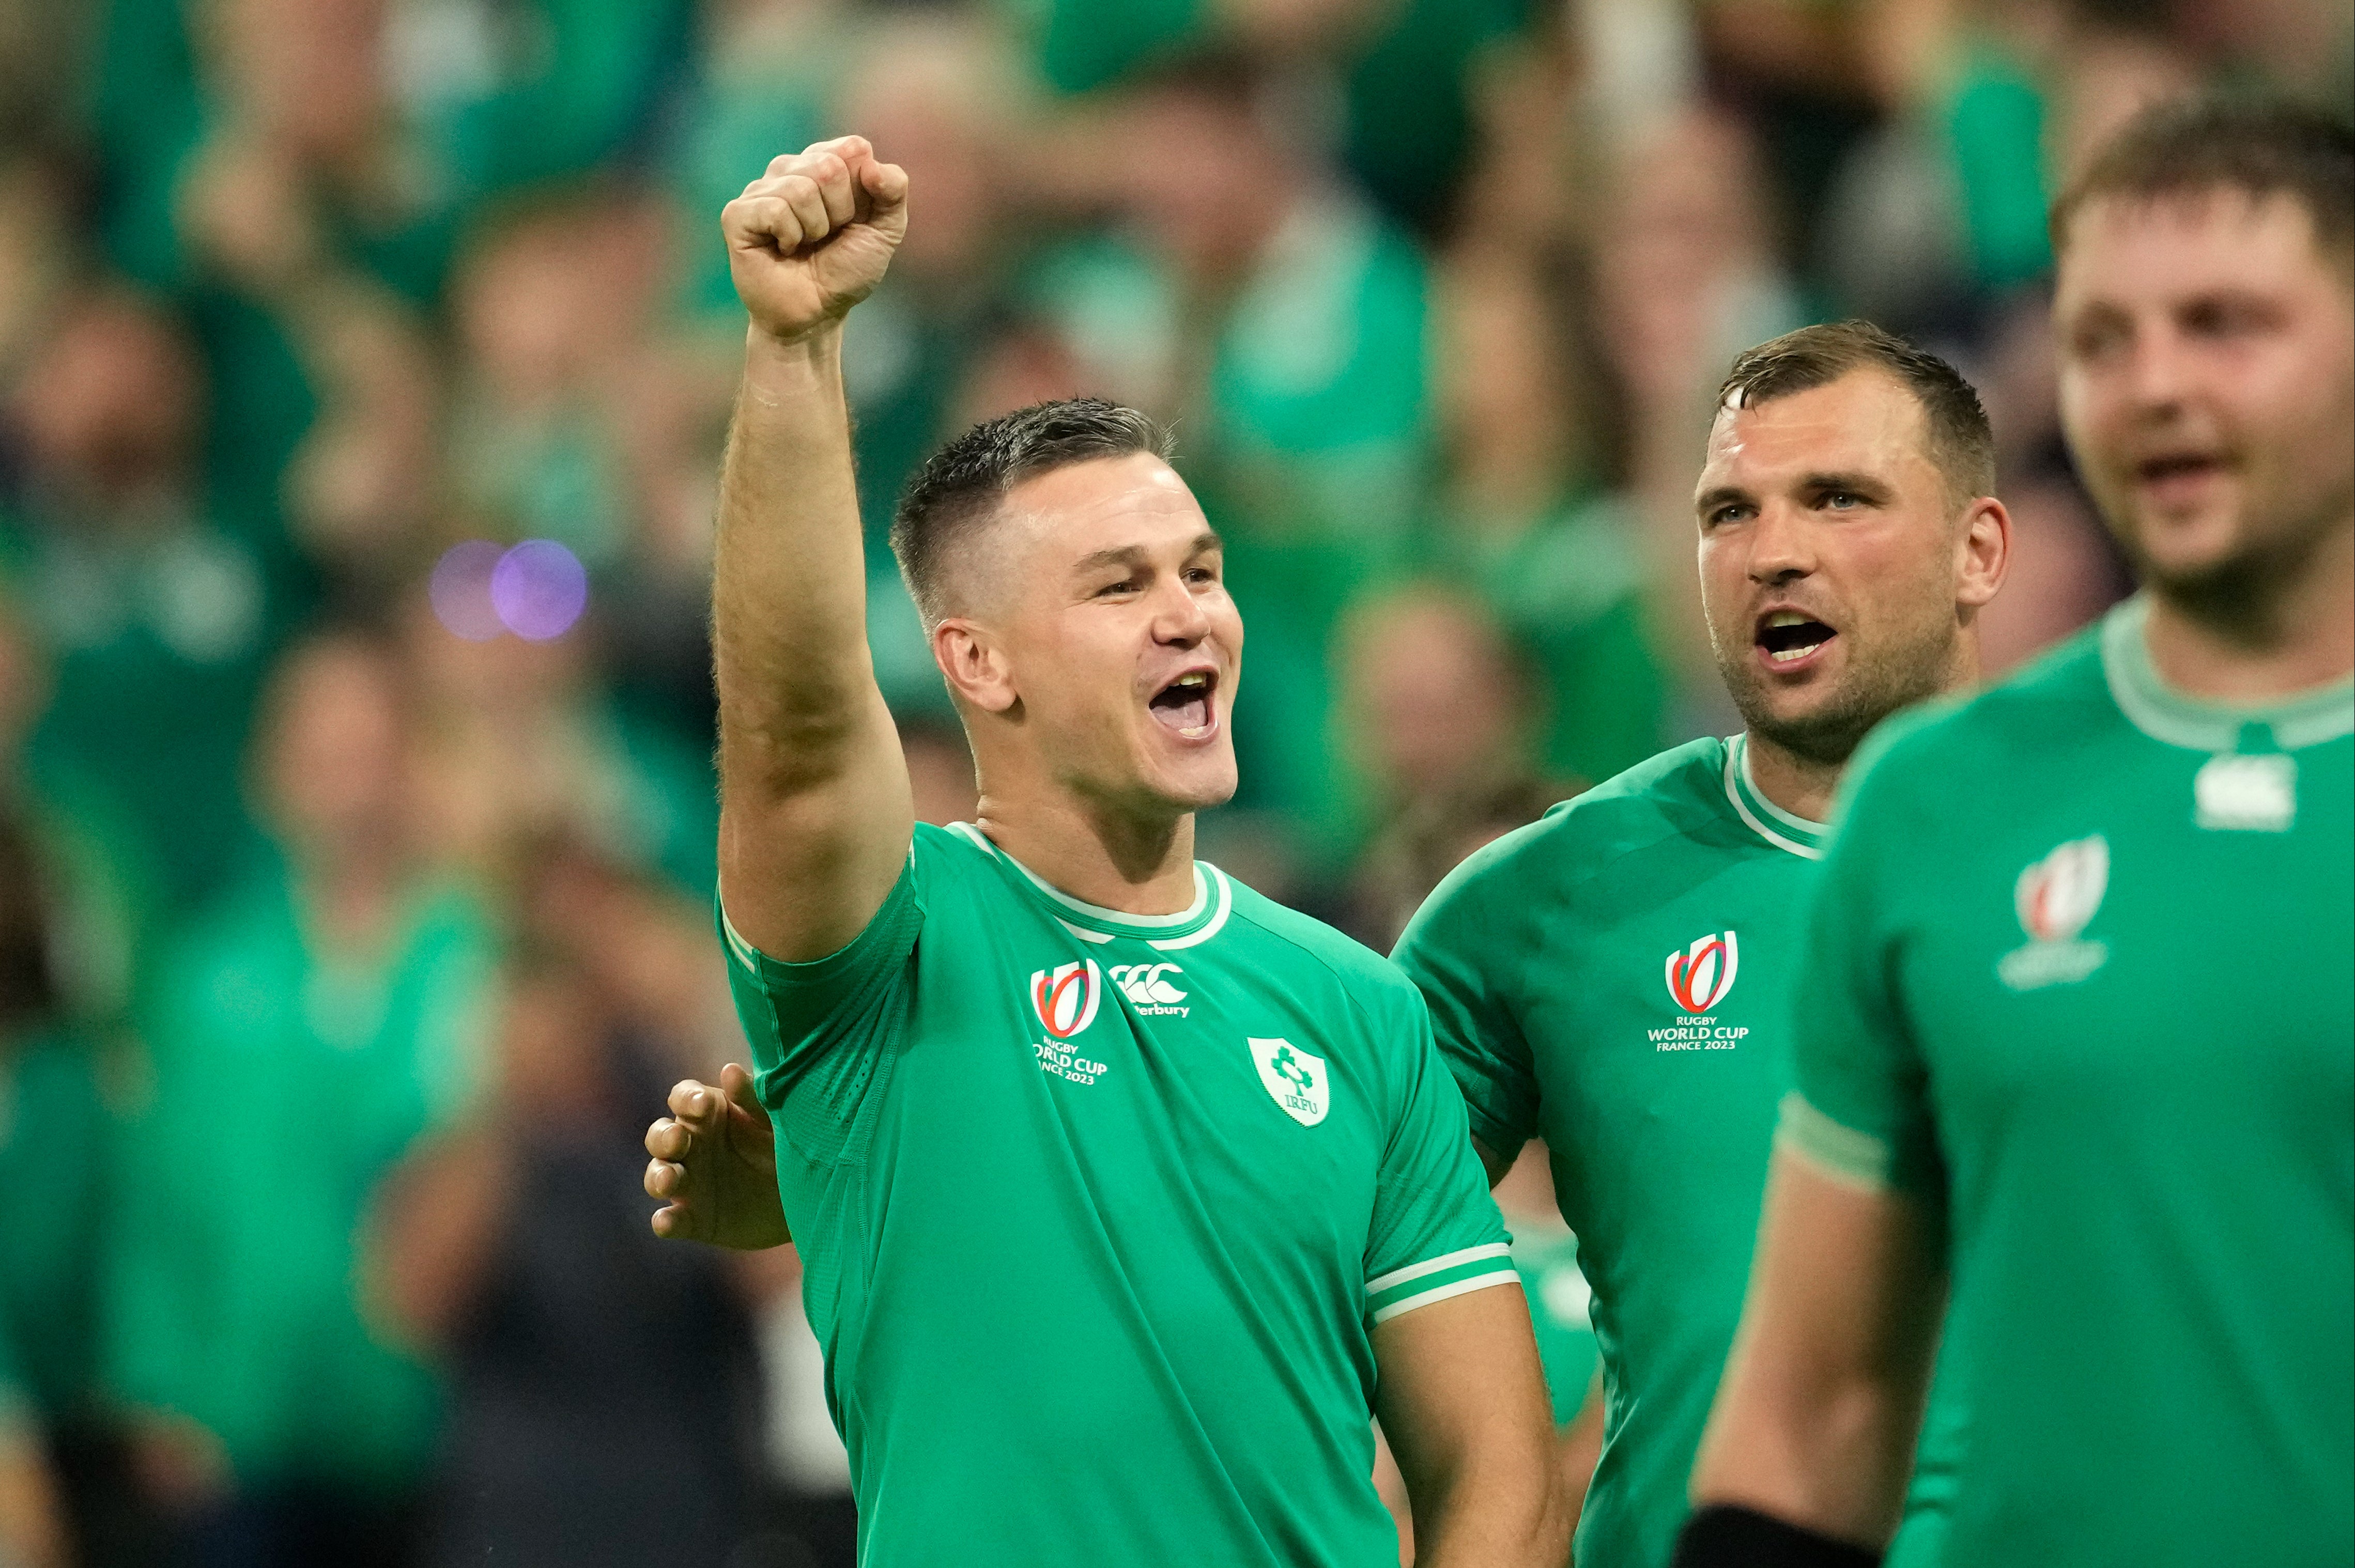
(2075, 1003)
(1615, 977)
(1124, 1194)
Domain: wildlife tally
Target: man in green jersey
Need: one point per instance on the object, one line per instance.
(1615, 977)
(1124, 1194)
(2074, 1004)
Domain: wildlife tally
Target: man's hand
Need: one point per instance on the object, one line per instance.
(715, 1162)
(811, 238)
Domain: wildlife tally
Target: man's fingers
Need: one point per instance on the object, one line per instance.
(739, 1087)
(663, 1179)
(836, 187)
(668, 1140)
(674, 1224)
(885, 184)
(692, 1100)
(759, 219)
(800, 192)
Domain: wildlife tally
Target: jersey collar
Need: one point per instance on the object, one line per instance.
(2167, 716)
(1779, 827)
(1214, 898)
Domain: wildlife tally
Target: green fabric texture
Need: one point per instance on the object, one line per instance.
(54, 1138)
(1561, 1304)
(2082, 979)
(1112, 1200)
(233, 1295)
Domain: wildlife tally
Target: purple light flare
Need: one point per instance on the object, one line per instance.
(460, 590)
(539, 589)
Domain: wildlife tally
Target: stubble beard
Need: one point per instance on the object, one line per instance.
(1873, 687)
(2238, 595)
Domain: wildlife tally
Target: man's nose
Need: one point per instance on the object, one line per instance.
(2155, 373)
(1780, 545)
(1179, 617)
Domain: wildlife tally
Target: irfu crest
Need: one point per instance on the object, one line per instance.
(1294, 1079)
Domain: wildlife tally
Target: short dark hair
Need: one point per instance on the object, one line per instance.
(1961, 445)
(2259, 146)
(961, 485)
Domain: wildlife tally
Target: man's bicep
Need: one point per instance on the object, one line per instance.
(1455, 1364)
(807, 858)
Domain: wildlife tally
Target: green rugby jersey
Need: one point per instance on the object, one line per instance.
(1615, 978)
(1098, 1212)
(2082, 975)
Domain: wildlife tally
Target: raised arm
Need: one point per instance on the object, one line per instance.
(1821, 1402)
(816, 812)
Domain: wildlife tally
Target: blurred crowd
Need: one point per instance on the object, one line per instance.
(363, 365)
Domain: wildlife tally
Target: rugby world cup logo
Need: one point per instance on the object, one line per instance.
(1700, 975)
(2058, 895)
(1065, 997)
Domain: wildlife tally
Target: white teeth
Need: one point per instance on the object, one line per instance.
(1786, 655)
(1786, 617)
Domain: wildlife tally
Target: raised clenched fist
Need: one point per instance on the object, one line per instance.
(812, 237)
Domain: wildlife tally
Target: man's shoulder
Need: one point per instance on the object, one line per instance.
(1661, 800)
(1290, 943)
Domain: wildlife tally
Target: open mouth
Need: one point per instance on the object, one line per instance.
(1788, 637)
(1183, 706)
(2177, 470)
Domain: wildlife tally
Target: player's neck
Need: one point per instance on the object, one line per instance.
(1136, 863)
(1796, 784)
(2272, 645)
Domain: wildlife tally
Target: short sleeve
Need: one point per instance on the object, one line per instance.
(1860, 1110)
(1436, 1233)
(822, 1032)
(1454, 950)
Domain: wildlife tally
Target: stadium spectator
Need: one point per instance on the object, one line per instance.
(600, 1384)
(335, 997)
(156, 616)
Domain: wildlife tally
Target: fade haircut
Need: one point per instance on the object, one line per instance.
(2259, 147)
(1960, 444)
(961, 487)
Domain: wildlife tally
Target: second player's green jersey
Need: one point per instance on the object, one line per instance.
(2082, 977)
(1615, 978)
(1098, 1213)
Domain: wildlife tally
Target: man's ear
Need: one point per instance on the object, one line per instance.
(1982, 553)
(975, 665)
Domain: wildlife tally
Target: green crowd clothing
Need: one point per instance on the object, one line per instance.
(2079, 980)
(53, 1139)
(1615, 978)
(288, 1078)
(1099, 1212)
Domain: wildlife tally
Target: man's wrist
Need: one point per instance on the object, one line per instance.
(1727, 1535)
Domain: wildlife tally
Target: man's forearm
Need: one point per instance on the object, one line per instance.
(789, 582)
(1503, 1515)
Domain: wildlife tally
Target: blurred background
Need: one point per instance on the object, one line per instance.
(363, 365)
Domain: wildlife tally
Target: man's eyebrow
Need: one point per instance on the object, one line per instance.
(1133, 556)
(1721, 495)
(1862, 483)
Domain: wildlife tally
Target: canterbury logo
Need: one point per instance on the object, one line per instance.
(1065, 997)
(1700, 975)
(1145, 984)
